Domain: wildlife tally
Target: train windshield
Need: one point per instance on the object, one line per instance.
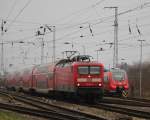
(84, 70)
(118, 75)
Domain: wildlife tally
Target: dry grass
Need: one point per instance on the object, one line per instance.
(8, 115)
(5, 115)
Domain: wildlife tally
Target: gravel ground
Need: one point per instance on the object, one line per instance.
(93, 111)
(89, 110)
(9, 115)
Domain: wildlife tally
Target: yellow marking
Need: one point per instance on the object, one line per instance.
(124, 93)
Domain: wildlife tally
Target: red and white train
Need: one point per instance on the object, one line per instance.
(78, 76)
(116, 82)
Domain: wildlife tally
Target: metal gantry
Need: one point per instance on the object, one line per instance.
(53, 29)
(141, 51)
(39, 33)
(2, 47)
(115, 55)
(97, 51)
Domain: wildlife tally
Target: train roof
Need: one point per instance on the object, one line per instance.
(82, 58)
(78, 58)
(85, 63)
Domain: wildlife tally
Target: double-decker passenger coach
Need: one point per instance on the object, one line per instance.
(72, 77)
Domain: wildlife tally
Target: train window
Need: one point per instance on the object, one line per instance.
(94, 70)
(83, 70)
(118, 75)
(89, 70)
(105, 77)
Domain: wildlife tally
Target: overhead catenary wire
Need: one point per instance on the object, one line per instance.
(107, 31)
(87, 28)
(11, 9)
(79, 12)
(19, 13)
(131, 37)
(142, 6)
(130, 10)
(122, 13)
(60, 29)
(69, 34)
(21, 21)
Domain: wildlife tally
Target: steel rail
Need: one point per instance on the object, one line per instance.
(122, 110)
(34, 112)
(130, 102)
(132, 98)
(54, 108)
(7, 95)
(139, 99)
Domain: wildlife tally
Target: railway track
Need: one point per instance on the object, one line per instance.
(8, 96)
(128, 101)
(132, 98)
(139, 99)
(123, 110)
(62, 112)
(37, 112)
(104, 106)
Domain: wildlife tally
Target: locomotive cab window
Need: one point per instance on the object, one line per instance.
(89, 70)
(118, 75)
(83, 70)
(94, 70)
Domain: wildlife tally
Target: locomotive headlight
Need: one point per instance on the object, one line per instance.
(78, 84)
(99, 84)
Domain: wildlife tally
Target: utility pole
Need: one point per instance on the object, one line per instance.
(53, 29)
(54, 46)
(42, 33)
(97, 51)
(141, 48)
(42, 50)
(2, 47)
(115, 55)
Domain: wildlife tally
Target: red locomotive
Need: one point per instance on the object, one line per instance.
(69, 77)
(116, 82)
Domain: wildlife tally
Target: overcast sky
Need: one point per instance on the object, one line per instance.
(73, 19)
